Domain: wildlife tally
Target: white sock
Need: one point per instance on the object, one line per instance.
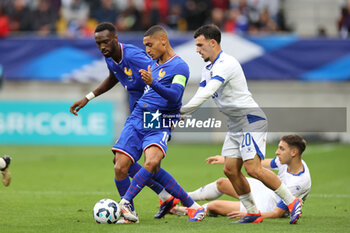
(195, 205)
(248, 202)
(206, 193)
(205, 206)
(284, 193)
(164, 195)
(2, 163)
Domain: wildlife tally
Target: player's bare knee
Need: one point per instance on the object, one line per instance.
(121, 170)
(151, 164)
(153, 156)
(220, 183)
(253, 171)
(227, 172)
(231, 172)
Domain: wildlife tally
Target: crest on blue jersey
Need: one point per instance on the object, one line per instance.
(161, 74)
(128, 72)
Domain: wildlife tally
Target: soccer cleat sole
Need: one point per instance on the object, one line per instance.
(128, 216)
(168, 205)
(125, 221)
(192, 213)
(248, 218)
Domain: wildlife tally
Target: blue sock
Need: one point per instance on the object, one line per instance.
(122, 186)
(170, 185)
(138, 182)
(152, 184)
(134, 168)
(155, 186)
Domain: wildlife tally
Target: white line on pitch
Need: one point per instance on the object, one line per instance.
(323, 195)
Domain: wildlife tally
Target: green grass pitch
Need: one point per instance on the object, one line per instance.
(54, 189)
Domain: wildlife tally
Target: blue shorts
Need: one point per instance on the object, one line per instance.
(134, 139)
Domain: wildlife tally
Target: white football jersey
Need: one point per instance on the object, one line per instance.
(298, 184)
(233, 96)
(266, 200)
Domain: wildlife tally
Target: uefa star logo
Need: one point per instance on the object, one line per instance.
(151, 120)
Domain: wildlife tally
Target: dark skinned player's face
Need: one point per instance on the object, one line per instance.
(107, 42)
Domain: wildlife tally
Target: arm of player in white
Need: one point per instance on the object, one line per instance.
(201, 96)
(266, 163)
(217, 159)
(276, 213)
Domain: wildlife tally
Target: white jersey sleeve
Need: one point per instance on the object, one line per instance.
(202, 94)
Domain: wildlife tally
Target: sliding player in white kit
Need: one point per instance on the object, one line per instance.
(292, 171)
(244, 145)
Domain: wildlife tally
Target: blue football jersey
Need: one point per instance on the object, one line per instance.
(127, 71)
(164, 74)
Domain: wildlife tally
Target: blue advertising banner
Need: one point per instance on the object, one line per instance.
(277, 57)
(52, 123)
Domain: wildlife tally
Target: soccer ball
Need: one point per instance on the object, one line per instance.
(106, 211)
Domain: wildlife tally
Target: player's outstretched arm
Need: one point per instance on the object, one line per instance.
(266, 163)
(217, 159)
(276, 213)
(201, 96)
(105, 86)
(78, 105)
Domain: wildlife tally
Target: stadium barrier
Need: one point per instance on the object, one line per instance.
(47, 122)
(272, 58)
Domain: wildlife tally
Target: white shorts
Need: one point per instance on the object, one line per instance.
(265, 199)
(244, 145)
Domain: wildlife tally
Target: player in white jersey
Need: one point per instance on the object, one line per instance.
(244, 145)
(292, 171)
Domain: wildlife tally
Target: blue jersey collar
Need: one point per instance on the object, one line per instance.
(170, 59)
(299, 172)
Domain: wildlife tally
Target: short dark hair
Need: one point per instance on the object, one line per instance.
(106, 26)
(294, 140)
(154, 29)
(209, 31)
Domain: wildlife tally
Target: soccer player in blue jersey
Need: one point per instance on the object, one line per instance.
(124, 62)
(166, 78)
